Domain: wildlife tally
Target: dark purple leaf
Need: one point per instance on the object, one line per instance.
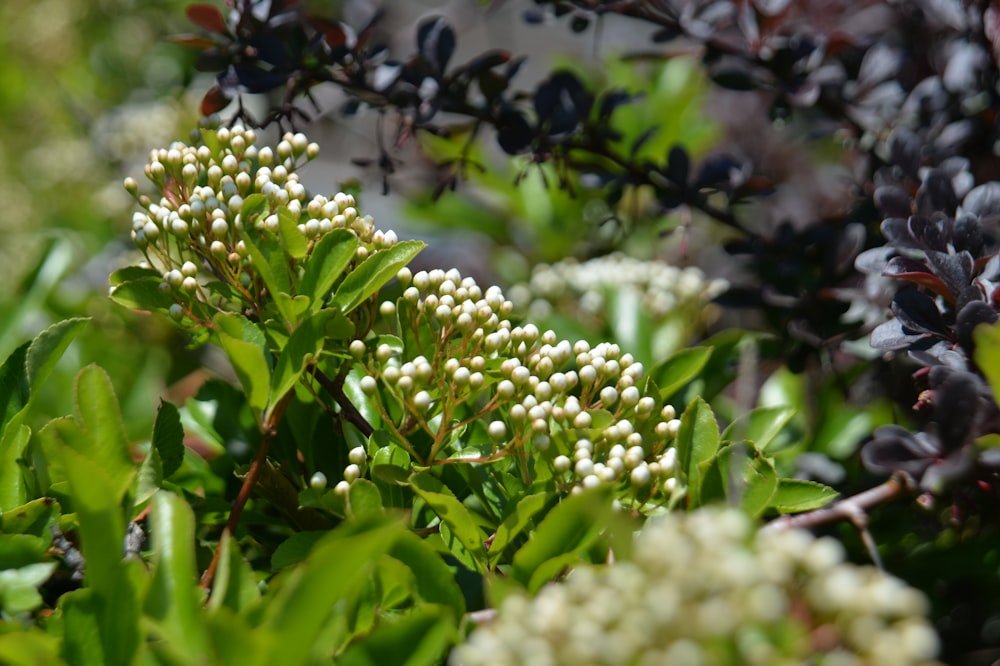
(436, 42)
(917, 312)
(896, 230)
(896, 449)
(936, 194)
(562, 103)
(513, 132)
(983, 201)
(734, 79)
(889, 336)
(207, 17)
(904, 148)
(874, 260)
(667, 34)
(967, 235)
(926, 232)
(970, 316)
(678, 166)
(893, 201)
(955, 270)
(579, 23)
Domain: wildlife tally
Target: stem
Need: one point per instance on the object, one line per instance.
(335, 387)
(270, 430)
(849, 508)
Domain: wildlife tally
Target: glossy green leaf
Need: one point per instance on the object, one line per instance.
(680, 368)
(29, 648)
(14, 385)
(235, 585)
(568, 530)
(760, 426)
(419, 638)
(363, 499)
(149, 478)
(272, 270)
(516, 522)
(48, 347)
(795, 495)
(305, 595)
(81, 629)
(630, 322)
(987, 353)
(19, 587)
(435, 581)
(302, 350)
(13, 488)
(329, 257)
(104, 432)
(295, 548)
(173, 600)
(168, 438)
(293, 240)
(452, 513)
(372, 274)
(142, 294)
(697, 441)
(31, 518)
(245, 347)
(739, 474)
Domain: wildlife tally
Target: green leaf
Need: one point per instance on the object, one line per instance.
(680, 368)
(149, 478)
(434, 579)
(274, 274)
(754, 486)
(293, 240)
(303, 349)
(168, 438)
(247, 351)
(29, 648)
(19, 587)
(697, 442)
(14, 385)
(235, 585)
(796, 495)
(104, 432)
(987, 353)
(372, 274)
(13, 488)
(173, 600)
(31, 518)
(142, 294)
(295, 548)
(418, 638)
(453, 514)
(568, 530)
(760, 425)
(305, 595)
(329, 257)
(48, 347)
(518, 520)
(81, 628)
(363, 499)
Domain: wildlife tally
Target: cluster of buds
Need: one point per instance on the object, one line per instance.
(212, 195)
(584, 409)
(704, 588)
(663, 290)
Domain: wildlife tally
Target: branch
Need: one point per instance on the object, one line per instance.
(270, 428)
(335, 387)
(849, 508)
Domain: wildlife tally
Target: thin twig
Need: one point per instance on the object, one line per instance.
(335, 387)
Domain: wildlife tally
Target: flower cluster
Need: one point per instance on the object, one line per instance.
(220, 197)
(585, 408)
(663, 290)
(705, 588)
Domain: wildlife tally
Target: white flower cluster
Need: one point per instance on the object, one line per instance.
(197, 223)
(704, 588)
(663, 289)
(584, 406)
